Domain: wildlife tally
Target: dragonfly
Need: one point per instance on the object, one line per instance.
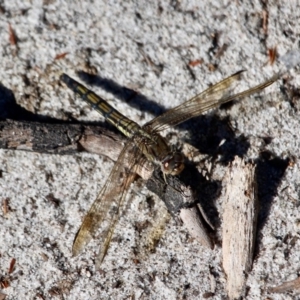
(143, 142)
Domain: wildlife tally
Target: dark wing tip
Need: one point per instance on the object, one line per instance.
(238, 73)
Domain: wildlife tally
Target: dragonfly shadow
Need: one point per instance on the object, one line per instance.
(213, 136)
(204, 132)
(205, 192)
(269, 172)
(9, 109)
(131, 97)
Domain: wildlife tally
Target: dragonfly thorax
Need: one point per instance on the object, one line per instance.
(173, 163)
(156, 149)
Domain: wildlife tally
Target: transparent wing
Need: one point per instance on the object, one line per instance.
(212, 97)
(109, 202)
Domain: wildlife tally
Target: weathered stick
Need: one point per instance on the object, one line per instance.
(240, 209)
(65, 138)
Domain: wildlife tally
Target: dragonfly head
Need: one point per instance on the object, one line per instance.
(173, 163)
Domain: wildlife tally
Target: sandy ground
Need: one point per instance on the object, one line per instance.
(167, 53)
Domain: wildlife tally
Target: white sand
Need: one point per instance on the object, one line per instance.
(39, 235)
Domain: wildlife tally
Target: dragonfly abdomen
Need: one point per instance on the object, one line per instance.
(111, 115)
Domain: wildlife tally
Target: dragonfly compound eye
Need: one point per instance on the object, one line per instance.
(173, 164)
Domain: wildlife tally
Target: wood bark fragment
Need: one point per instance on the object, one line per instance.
(194, 225)
(64, 139)
(240, 210)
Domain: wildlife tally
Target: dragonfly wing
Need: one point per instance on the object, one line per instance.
(212, 97)
(109, 202)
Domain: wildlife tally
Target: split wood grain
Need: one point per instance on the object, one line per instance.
(240, 210)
